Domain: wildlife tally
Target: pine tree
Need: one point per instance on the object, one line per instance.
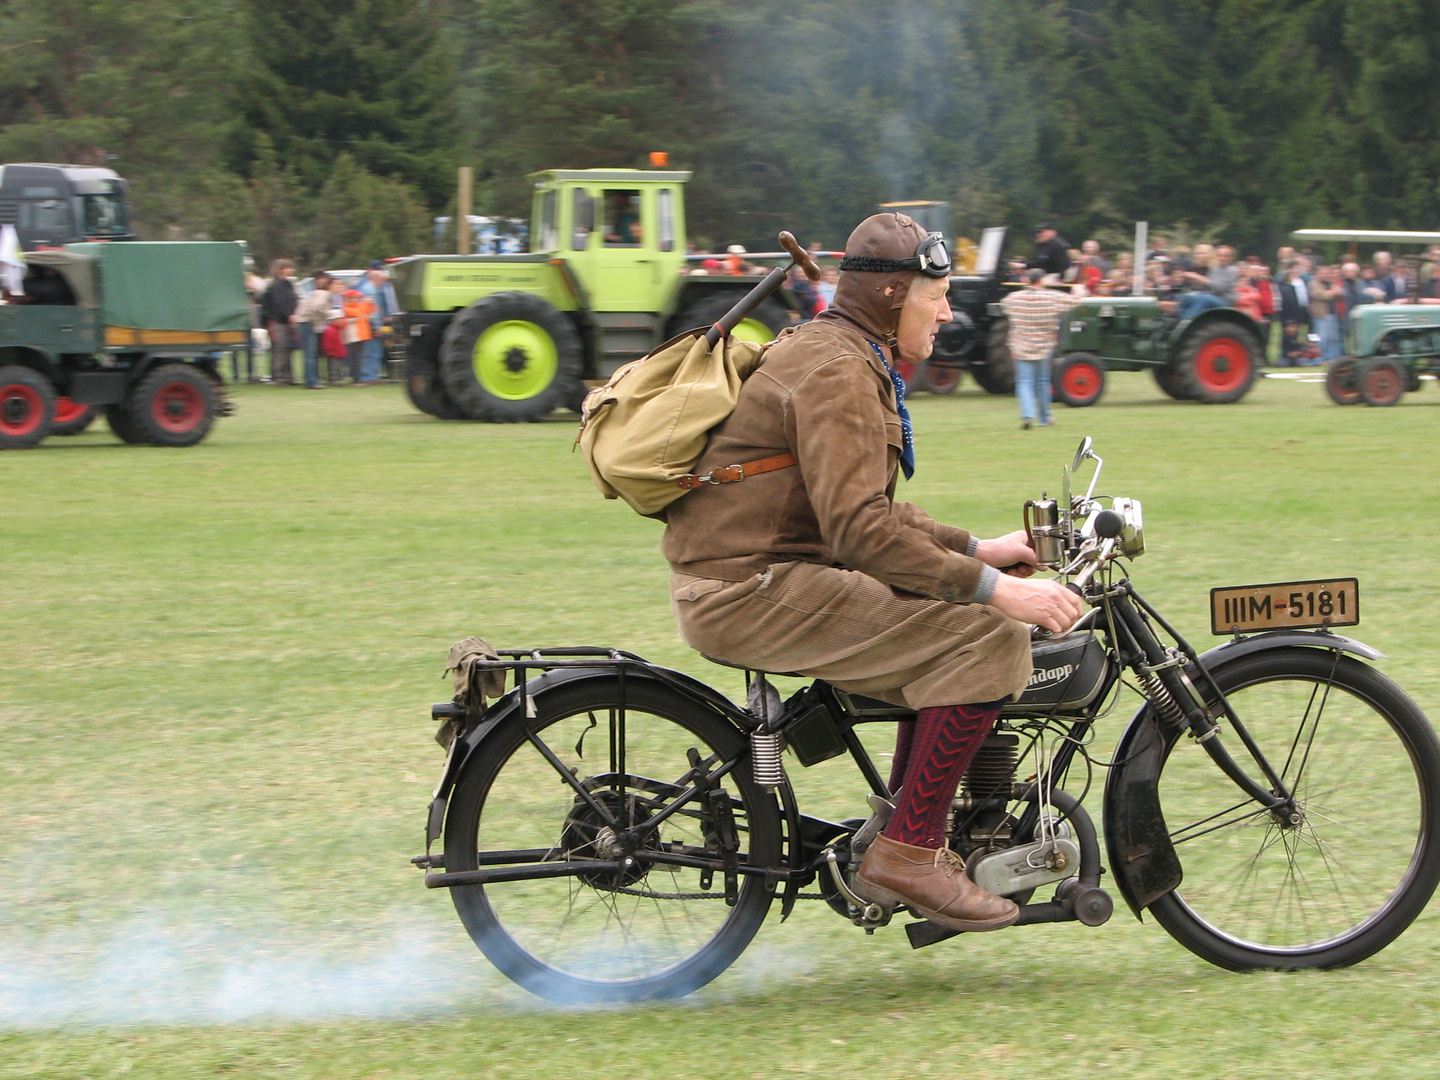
(374, 79)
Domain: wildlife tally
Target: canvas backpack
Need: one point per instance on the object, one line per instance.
(643, 432)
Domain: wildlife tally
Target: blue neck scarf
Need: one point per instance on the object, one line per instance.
(907, 452)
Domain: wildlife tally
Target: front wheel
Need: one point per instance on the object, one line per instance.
(939, 378)
(995, 374)
(71, 418)
(1079, 379)
(1359, 859)
(577, 784)
(1340, 381)
(510, 358)
(27, 402)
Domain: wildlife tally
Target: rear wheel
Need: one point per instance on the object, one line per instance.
(1078, 379)
(624, 913)
(510, 358)
(1341, 381)
(938, 378)
(27, 402)
(71, 418)
(1218, 362)
(1360, 858)
(1382, 381)
(997, 374)
(173, 405)
(1170, 382)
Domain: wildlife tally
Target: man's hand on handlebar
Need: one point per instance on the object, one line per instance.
(1044, 602)
(1011, 553)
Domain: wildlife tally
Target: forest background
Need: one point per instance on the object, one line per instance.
(329, 130)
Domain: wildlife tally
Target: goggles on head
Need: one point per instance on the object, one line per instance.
(931, 258)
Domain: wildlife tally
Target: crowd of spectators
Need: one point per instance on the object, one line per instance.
(1310, 300)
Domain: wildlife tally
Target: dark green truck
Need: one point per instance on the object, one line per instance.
(133, 328)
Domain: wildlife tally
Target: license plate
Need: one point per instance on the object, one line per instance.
(1287, 605)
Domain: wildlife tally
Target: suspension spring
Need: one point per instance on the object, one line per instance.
(765, 760)
(1164, 703)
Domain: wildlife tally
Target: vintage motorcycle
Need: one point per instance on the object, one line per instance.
(617, 831)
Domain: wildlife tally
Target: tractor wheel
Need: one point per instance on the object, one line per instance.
(1078, 379)
(1218, 362)
(1382, 381)
(938, 378)
(71, 418)
(510, 358)
(427, 392)
(1412, 378)
(27, 402)
(1341, 380)
(997, 374)
(173, 405)
(1170, 382)
(761, 325)
(118, 417)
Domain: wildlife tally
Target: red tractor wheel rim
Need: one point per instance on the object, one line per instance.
(66, 410)
(1080, 380)
(22, 410)
(1383, 383)
(1222, 365)
(941, 378)
(178, 407)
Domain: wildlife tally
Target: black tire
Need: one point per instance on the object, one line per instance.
(1218, 361)
(940, 379)
(584, 939)
(1364, 766)
(118, 417)
(173, 405)
(527, 376)
(769, 318)
(1382, 381)
(1078, 379)
(1341, 381)
(426, 391)
(70, 418)
(27, 405)
(997, 374)
(1170, 382)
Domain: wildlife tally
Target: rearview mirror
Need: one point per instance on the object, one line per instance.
(1082, 452)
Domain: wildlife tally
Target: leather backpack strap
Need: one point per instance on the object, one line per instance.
(730, 474)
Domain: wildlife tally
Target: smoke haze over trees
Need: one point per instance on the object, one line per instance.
(330, 129)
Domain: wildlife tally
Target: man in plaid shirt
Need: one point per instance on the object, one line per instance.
(1034, 313)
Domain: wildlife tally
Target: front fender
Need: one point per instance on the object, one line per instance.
(1137, 841)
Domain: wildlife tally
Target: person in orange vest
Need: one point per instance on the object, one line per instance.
(358, 309)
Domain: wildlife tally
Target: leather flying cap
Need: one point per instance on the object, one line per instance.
(871, 301)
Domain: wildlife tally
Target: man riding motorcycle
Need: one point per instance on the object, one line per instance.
(814, 568)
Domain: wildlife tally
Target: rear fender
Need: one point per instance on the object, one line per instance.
(509, 708)
(1182, 330)
(1137, 840)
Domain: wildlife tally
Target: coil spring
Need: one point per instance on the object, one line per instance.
(765, 763)
(1160, 697)
(992, 772)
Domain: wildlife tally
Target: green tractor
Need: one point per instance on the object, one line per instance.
(1212, 358)
(507, 338)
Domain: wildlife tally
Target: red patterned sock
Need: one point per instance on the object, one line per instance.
(904, 737)
(944, 743)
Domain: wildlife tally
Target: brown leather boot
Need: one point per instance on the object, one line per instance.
(933, 883)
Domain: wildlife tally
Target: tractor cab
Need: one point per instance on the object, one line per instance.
(54, 205)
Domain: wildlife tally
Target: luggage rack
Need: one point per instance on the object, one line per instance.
(522, 661)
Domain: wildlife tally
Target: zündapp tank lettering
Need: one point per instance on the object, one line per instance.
(1049, 675)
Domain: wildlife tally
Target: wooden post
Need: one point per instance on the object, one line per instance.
(1142, 247)
(462, 210)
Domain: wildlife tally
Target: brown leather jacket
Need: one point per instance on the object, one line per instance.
(823, 395)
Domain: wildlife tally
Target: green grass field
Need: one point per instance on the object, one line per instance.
(214, 707)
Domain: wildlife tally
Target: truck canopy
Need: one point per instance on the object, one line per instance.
(170, 285)
(77, 269)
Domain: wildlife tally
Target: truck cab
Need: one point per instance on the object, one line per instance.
(54, 205)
